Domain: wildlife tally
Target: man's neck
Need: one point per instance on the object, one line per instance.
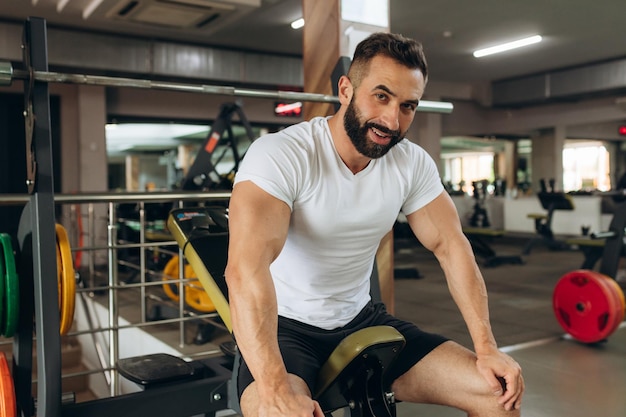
(353, 160)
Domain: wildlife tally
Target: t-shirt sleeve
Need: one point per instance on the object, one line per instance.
(426, 184)
(273, 163)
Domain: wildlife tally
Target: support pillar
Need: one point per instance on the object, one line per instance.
(426, 132)
(547, 157)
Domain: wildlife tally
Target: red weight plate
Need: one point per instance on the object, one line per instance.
(615, 293)
(620, 303)
(8, 407)
(585, 306)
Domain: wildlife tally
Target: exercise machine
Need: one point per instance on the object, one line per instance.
(551, 201)
(203, 173)
(480, 231)
(608, 245)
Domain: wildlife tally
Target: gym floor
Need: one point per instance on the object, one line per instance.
(564, 378)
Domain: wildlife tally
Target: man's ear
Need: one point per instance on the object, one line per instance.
(345, 90)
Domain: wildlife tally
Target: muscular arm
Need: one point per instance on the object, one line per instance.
(438, 227)
(258, 225)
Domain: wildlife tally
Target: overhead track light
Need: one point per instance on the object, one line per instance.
(297, 24)
(507, 46)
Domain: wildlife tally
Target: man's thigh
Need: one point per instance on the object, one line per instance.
(448, 376)
(304, 349)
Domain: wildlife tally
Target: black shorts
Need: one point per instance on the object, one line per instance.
(305, 348)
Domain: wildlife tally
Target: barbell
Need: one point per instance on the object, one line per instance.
(8, 74)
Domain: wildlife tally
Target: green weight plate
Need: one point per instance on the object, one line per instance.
(10, 298)
(2, 275)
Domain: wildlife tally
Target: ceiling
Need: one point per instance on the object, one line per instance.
(575, 32)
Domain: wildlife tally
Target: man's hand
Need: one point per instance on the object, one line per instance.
(290, 398)
(504, 375)
(297, 406)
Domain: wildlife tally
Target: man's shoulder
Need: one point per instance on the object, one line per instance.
(307, 129)
(302, 135)
(407, 149)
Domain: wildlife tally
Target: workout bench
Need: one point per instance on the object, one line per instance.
(351, 378)
(607, 246)
(478, 236)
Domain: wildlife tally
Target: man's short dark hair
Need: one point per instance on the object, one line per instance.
(405, 51)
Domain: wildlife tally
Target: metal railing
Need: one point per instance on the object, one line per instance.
(86, 207)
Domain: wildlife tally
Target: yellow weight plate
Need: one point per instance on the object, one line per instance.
(67, 279)
(195, 295)
(171, 272)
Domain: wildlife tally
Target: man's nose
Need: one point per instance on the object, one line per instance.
(390, 118)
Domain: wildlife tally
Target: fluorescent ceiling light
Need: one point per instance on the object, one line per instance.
(507, 46)
(297, 24)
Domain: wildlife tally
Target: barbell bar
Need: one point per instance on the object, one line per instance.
(8, 74)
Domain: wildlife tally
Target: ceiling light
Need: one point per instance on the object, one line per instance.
(297, 24)
(507, 46)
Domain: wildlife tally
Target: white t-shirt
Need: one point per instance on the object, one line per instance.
(337, 218)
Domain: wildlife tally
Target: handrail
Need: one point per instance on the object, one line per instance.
(151, 196)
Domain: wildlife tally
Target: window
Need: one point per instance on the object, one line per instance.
(460, 170)
(586, 166)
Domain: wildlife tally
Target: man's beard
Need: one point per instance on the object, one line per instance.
(359, 134)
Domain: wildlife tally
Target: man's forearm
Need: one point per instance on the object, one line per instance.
(470, 294)
(255, 324)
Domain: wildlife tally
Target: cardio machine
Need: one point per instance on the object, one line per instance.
(551, 201)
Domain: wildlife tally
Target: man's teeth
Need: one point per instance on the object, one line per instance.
(379, 133)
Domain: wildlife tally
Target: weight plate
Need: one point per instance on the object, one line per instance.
(3, 273)
(585, 305)
(59, 274)
(10, 294)
(195, 295)
(67, 278)
(171, 272)
(8, 405)
(620, 302)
